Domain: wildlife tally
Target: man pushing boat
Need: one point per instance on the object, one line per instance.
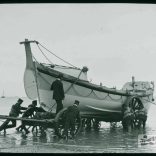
(29, 112)
(14, 112)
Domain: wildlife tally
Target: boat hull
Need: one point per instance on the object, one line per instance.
(93, 103)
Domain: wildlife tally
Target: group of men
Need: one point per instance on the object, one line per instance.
(15, 111)
(58, 95)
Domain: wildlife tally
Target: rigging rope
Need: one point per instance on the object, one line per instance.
(92, 91)
(67, 89)
(49, 83)
(56, 55)
(99, 97)
(74, 82)
(44, 68)
(149, 101)
(44, 54)
(115, 99)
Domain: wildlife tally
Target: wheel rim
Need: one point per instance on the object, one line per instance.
(136, 105)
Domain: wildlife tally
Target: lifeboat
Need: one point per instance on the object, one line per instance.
(96, 101)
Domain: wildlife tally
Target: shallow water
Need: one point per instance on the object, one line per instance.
(107, 139)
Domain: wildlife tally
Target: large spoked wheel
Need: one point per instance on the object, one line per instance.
(135, 104)
(60, 123)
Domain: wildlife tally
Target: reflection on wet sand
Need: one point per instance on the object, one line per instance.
(104, 140)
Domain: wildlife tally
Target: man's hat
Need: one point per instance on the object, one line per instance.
(76, 102)
(20, 100)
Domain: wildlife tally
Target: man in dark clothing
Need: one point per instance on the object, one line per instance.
(15, 111)
(28, 113)
(141, 116)
(58, 92)
(72, 114)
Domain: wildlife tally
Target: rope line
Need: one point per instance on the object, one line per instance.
(76, 79)
(69, 86)
(72, 85)
(92, 91)
(150, 102)
(44, 79)
(99, 97)
(56, 55)
(44, 54)
(50, 109)
(81, 94)
(44, 68)
(73, 82)
(50, 83)
(114, 99)
(106, 97)
(67, 89)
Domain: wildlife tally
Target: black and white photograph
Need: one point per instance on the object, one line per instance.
(77, 78)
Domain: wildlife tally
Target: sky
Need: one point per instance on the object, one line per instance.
(115, 41)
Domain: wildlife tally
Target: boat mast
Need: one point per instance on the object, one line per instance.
(29, 60)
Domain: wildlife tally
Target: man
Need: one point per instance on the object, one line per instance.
(128, 117)
(72, 114)
(58, 92)
(28, 113)
(15, 111)
(141, 116)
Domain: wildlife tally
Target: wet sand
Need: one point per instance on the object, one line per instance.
(85, 143)
(35, 149)
(62, 149)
